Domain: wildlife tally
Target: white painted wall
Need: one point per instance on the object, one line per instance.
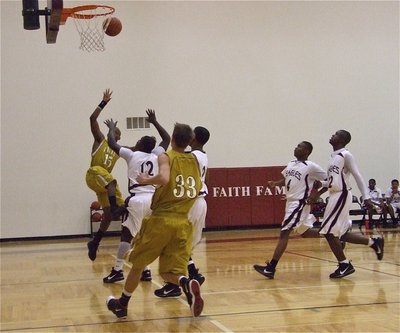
(262, 76)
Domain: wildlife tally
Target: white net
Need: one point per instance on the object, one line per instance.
(89, 24)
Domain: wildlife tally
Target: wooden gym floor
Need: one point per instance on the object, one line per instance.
(52, 286)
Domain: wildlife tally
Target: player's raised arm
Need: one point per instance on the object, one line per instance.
(94, 125)
(112, 142)
(165, 137)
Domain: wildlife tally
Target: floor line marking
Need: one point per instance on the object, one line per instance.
(223, 328)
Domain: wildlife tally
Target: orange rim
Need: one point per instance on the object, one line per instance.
(75, 12)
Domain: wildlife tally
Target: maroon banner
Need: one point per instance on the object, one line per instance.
(240, 197)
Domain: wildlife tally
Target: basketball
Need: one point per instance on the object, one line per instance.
(96, 217)
(112, 26)
(95, 205)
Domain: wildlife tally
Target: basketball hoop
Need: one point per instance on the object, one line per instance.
(89, 21)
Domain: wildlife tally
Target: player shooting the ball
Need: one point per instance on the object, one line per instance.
(99, 177)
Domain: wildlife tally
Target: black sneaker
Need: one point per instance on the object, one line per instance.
(197, 276)
(192, 292)
(343, 270)
(114, 276)
(267, 270)
(146, 275)
(168, 290)
(116, 308)
(378, 245)
(92, 249)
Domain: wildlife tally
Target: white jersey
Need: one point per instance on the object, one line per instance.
(393, 195)
(375, 195)
(341, 165)
(140, 200)
(299, 178)
(203, 164)
(141, 162)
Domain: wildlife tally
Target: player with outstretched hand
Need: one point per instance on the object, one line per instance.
(99, 177)
(142, 158)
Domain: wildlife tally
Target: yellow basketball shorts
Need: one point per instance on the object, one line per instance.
(169, 238)
(97, 179)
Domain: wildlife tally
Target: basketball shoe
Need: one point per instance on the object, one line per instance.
(146, 275)
(116, 308)
(168, 290)
(92, 249)
(267, 270)
(114, 276)
(197, 276)
(343, 270)
(191, 288)
(378, 245)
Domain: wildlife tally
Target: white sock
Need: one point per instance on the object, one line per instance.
(370, 242)
(126, 293)
(119, 263)
(122, 249)
(346, 261)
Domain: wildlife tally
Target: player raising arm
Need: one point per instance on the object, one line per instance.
(99, 177)
(142, 158)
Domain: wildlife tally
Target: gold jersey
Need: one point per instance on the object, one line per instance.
(178, 196)
(104, 156)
